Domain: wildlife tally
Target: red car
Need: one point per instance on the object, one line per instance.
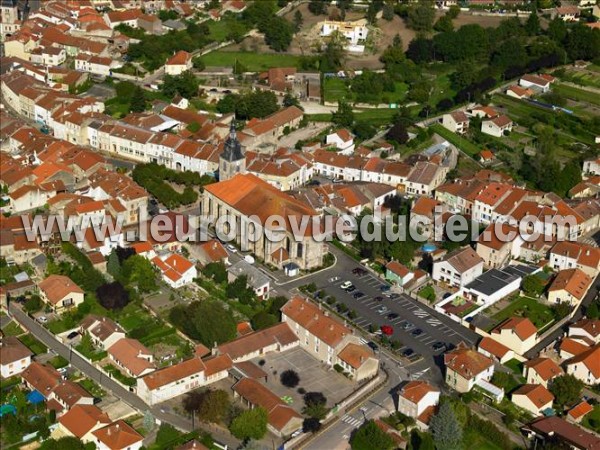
(387, 330)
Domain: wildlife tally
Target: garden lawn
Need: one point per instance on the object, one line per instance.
(458, 141)
(335, 89)
(253, 62)
(12, 329)
(537, 312)
(515, 365)
(33, 344)
(592, 420)
(476, 441)
(219, 30)
(577, 94)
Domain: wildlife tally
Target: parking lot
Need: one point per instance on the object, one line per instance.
(416, 326)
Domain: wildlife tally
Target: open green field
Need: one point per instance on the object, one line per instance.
(589, 77)
(528, 307)
(253, 62)
(478, 441)
(576, 94)
(220, 30)
(336, 89)
(458, 141)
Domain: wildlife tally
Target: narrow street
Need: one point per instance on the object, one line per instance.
(109, 384)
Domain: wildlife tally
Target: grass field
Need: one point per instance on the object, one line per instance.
(592, 420)
(219, 30)
(576, 94)
(12, 329)
(528, 307)
(335, 89)
(33, 344)
(515, 365)
(251, 61)
(477, 441)
(463, 144)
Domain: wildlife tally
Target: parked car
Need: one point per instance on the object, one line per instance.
(334, 279)
(73, 335)
(406, 353)
(379, 298)
(352, 288)
(417, 332)
(438, 346)
(392, 316)
(358, 294)
(373, 346)
(387, 330)
(359, 271)
(405, 325)
(345, 285)
(231, 248)
(384, 288)
(382, 309)
(42, 319)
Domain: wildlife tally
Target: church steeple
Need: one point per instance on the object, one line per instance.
(232, 160)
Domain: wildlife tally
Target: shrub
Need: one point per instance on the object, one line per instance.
(289, 378)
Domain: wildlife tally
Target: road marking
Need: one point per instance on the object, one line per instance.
(352, 421)
(420, 313)
(434, 322)
(420, 373)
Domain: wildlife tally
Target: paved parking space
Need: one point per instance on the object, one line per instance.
(415, 325)
(314, 376)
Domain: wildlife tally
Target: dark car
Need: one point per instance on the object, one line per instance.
(406, 325)
(416, 332)
(373, 346)
(406, 353)
(393, 296)
(379, 298)
(438, 346)
(72, 335)
(392, 316)
(359, 271)
(385, 288)
(351, 289)
(358, 294)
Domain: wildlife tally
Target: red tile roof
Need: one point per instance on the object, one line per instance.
(590, 358)
(80, 419)
(521, 326)
(118, 435)
(466, 361)
(493, 347)
(536, 393)
(583, 408)
(545, 368)
(57, 287)
(574, 281)
(415, 391)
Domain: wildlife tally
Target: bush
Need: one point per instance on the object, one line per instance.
(311, 425)
(289, 378)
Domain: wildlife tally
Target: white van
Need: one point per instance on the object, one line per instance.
(346, 284)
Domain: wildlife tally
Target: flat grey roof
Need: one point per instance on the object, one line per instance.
(492, 281)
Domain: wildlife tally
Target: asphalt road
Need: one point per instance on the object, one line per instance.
(434, 326)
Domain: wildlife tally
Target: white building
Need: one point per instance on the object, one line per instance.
(117, 436)
(517, 333)
(15, 357)
(535, 82)
(354, 32)
(342, 140)
(418, 400)
(534, 398)
(466, 367)
(178, 63)
(497, 126)
(97, 65)
(585, 366)
(456, 121)
(176, 270)
(458, 268)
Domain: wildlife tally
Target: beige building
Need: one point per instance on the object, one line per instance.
(60, 292)
(541, 371)
(458, 268)
(418, 399)
(252, 203)
(534, 398)
(328, 340)
(517, 333)
(569, 286)
(465, 367)
(586, 366)
(178, 63)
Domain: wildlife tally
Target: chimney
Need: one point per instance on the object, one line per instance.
(331, 327)
(316, 316)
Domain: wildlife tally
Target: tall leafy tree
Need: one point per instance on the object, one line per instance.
(567, 390)
(251, 424)
(532, 25)
(421, 16)
(344, 116)
(207, 321)
(447, 432)
(369, 436)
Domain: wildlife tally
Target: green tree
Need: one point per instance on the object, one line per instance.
(593, 311)
(557, 30)
(251, 424)
(444, 24)
(344, 116)
(113, 266)
(207, 321)
(532, 24)
(315, 405)
(139, 272)
(388, 12)
(198, 63)
(214, 406)
(185, 85)
(215, 271)
(332, 58)
(240, 289)
(567, 390)
(533, 285)
(447, 432)
(289, 99)
(278, 33)
(421, 16)
(317, 7)
(262, 320)
(65, 443)
(369, 436)
(138, 100)
(298, 20)
(33, 304)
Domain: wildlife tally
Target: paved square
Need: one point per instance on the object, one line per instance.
(314, 377)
